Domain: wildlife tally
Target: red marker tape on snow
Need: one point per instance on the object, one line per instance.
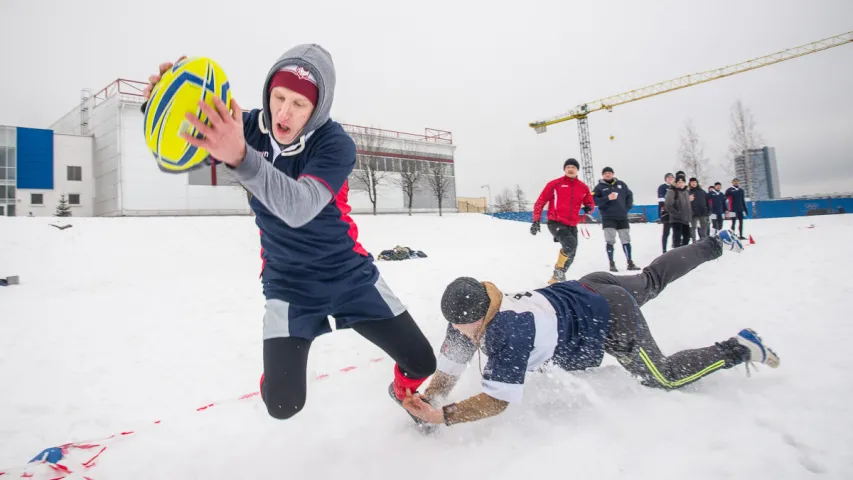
(92, 443)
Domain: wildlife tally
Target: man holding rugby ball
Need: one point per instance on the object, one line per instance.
(295, 161)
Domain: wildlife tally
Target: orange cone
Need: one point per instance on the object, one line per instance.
(751, 241)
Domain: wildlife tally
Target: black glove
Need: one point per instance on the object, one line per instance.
(534, 229)
(586, 209)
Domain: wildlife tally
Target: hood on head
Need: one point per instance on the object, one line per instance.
(318, 61)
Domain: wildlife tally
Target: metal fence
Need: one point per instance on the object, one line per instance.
(789, 207)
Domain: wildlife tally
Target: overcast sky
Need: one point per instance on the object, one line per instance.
(482, 71)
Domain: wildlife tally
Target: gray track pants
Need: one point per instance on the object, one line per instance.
(630, 340)
(702, 222)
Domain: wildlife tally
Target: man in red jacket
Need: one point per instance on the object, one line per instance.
(565, 196)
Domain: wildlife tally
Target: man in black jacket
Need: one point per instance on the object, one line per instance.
(614, 199)
(662, 213)
(699, 206)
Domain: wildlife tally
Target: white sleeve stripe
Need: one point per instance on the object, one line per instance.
(661, 199)
(448, 366)
(508, 392)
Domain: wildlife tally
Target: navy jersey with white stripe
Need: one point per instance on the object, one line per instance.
(565, 323)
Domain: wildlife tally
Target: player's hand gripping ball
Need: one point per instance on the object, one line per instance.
(190, 86)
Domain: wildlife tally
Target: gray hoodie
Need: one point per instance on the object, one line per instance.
(296, 202)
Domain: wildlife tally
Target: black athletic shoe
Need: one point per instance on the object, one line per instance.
(420, 424)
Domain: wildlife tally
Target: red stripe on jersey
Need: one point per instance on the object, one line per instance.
(321, 181)
(341, 202)
(263, 261)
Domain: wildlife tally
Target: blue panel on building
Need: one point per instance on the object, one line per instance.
(35, 158)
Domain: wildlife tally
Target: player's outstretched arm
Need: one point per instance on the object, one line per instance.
(471, 409)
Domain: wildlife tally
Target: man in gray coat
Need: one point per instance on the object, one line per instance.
(677, 203)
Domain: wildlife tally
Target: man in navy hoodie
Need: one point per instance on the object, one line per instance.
(717, 202)
(614, 200)
(736, 200)
(295, 160)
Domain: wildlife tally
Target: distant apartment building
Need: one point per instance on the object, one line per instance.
(764, 174)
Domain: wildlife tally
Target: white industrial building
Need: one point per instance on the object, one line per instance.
(120, 177)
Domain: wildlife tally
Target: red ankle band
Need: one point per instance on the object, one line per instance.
(402, 382)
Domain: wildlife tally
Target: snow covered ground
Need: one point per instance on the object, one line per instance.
(122, 322)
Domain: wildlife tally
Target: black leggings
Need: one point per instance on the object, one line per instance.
(567, 236)
(680, 235)
(286, 360)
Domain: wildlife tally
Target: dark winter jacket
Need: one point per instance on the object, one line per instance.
(677, 204)
(735, 199)
(662, 189)
(699, 205)
(613, 209)
(717, 200)
(565, 197)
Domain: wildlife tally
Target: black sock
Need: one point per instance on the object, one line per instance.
(610, 252)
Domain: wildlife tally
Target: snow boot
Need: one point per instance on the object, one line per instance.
(613, 266)
(563, 263)
(730, 241)
(421, 425)
(632, 265)
(559, 276)
(758, 351)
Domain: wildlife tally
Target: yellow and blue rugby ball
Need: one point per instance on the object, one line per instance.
(178, 92)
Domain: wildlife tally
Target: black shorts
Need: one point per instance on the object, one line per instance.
(616, 223)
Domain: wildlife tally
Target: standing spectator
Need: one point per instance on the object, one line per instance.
(662, 213)
(565, 196)
(699, 206)
(735, 197)
(718, 206)
(680, 213)
(614, 199)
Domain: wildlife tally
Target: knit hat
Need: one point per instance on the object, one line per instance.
(680, 173)
(680, 178)
(571, 161)
(694, 179)
(297, 79)
(465, 300)
(606, 169)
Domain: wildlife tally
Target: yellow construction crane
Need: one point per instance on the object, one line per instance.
(580, 112)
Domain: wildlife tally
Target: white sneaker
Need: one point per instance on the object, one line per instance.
(730, 241)
(758, 352)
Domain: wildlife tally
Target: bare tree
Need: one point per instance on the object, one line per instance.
(743, 139)
(410, 177)
(691, 153)
(369, 172)
(520, 199)
(439, 182)
(505, 201)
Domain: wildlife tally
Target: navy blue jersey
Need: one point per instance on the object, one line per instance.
(565, 323)
(308, 265)
(735, 199)
(717, 201)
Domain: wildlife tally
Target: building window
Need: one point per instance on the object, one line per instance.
(73, 199)
(36, 199)
(75, 174)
